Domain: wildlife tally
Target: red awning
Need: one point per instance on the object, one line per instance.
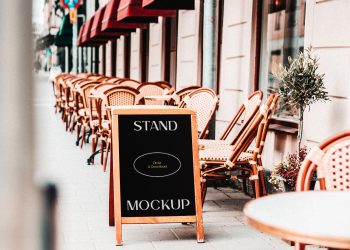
(110, 23)
(86, 38)
(96, 31)
(132, 11)
(168, 4)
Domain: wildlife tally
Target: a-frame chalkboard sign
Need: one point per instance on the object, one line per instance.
(156, 167)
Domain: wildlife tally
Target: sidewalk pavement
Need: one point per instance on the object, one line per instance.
(82, 212)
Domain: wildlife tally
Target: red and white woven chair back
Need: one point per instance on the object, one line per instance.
(331, 160)
(336, 167)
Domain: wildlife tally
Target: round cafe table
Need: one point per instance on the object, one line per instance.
(317, 217)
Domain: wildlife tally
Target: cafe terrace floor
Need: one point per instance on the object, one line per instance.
(82, 211)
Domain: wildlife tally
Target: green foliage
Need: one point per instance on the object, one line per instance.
(287, 171)
(301, 84)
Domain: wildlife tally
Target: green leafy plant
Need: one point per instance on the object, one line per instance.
(301, 85)
(287, 171)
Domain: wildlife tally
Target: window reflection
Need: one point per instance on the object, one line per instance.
(283, 25)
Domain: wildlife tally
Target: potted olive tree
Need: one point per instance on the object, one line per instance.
(300, 86)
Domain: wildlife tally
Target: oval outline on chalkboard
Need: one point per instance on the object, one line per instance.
(153, 175)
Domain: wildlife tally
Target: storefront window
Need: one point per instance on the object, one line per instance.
(283, 23)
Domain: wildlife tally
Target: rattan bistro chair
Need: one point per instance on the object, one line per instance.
(163, 84)
(116, 96)
(179, 95)
(204, 102)
(244, 114)
(79, 108)
(112, 80)
(86, 112)
(96, 122)
(71, 106)
(129, 83)
(252, 158)
(61, 98)
(331, 161)
(241, 119)
(57, 90)
(224, 163)
(154, 89)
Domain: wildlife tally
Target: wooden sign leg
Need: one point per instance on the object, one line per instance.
(118, 230)
(200, 231)
(199, 216)
(111, 192)
(116, 206)
(197, 182)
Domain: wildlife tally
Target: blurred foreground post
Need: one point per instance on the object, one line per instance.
(18, 196)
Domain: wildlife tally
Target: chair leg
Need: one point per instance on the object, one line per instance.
(68, 121)
(56, 107)
(73, 123)
(106, 156)
(73, 126)
(256, 183)
(94, 141)
(262, 183)
(203, 191)
(299, 246)
(257, 188)
(92, 157)
(244, 185)
(63, 116)
(82, 136)
(102, 149)
(88, 134)
(78, 133)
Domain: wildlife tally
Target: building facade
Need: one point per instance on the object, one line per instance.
(253, 37)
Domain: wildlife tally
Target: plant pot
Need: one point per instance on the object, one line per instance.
(287, 187)
(312, 184)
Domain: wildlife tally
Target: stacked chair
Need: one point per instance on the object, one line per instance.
(222, 160)
(85, 101)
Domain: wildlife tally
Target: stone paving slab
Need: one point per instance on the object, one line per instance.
(82, 218)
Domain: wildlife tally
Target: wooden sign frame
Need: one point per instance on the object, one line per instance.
(115, 194)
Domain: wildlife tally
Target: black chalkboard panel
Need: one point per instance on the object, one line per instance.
(156, 165)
